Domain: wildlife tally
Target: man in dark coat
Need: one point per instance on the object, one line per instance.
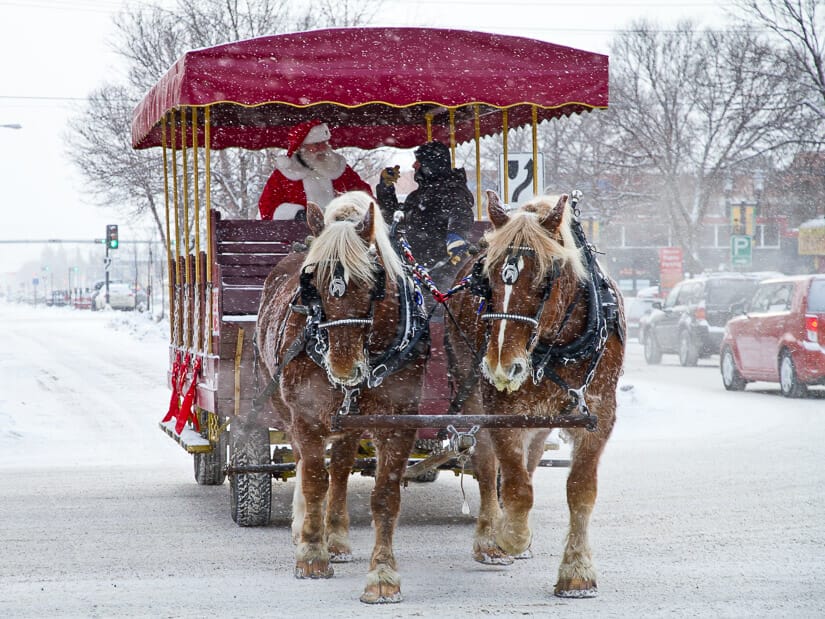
(437, 215)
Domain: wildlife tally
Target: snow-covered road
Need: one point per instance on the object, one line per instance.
(712, 504)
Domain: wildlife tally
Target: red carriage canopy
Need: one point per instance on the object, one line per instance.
(374, 86)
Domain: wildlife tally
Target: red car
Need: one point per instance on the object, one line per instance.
(780, 337)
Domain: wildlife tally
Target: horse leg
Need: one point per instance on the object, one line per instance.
(383, 581)
(342, 458)
(513, 533)
(311, 555)
(485, 469)
(299, 505)
(535, 450)
(577, 576)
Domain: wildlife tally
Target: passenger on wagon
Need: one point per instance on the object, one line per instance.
(310, 171)
(437, 215)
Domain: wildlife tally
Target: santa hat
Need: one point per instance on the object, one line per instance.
(310, 132)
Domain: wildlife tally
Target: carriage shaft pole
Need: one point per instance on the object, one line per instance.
(352, 422)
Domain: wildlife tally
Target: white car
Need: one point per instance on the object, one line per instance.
(122, 297)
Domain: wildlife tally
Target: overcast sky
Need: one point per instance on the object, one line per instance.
(54, 52)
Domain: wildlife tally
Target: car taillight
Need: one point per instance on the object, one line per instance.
(699, 312)
(812, 326)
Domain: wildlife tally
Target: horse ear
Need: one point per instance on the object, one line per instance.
(315, 218)
(498, 215)
(553, 220)
(367, 228)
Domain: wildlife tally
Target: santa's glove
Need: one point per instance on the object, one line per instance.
(457, 247)
(390, 176)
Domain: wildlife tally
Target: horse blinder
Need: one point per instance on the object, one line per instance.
(308, 291)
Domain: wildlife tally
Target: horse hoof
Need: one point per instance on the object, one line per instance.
(527, 554)
(381, 593)
(577, 589)
(342, 556)
(493, 557)
(313, 569)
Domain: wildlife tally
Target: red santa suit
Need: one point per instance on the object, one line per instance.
(300, 178)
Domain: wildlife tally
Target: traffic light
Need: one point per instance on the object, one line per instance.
(111, 236)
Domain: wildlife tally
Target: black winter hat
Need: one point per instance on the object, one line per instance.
(434, 158)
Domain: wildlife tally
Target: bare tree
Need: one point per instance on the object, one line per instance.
(115, 174)
(800, 26)
(150, 39)
(691, 106)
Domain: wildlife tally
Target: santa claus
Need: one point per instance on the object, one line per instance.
(310, 171)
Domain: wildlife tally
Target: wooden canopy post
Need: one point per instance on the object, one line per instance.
(178, 314)
(196, 201)
(169, 278)
(477, 126)
(187, 294)
(207, 161)
(535, 128)
(452, 135)
(505, 130)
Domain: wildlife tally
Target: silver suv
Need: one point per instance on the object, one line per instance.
(691, 321)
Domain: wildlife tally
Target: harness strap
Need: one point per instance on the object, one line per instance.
(466, 386)
(293, 351)
(413, 329)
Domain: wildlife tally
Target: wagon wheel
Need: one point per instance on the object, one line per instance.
(250, 493)
(209, 467)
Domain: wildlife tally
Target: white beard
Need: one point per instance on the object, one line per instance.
(318, 177)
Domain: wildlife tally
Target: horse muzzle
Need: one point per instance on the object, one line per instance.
(509, 376)
(348, 375)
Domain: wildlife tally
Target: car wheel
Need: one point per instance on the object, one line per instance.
(731, 377)
(653, 354)
(788, 380)
(688, 353)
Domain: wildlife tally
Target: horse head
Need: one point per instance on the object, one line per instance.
(533, 268)
(344, 275)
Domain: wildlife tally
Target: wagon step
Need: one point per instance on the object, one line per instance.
(190, 440)
(350, 422)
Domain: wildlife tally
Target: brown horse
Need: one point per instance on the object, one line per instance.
(330, 338)
(545, 329)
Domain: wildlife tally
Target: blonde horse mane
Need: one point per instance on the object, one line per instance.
(340, 242)
(525, 229)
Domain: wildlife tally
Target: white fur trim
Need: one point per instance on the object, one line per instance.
(287, 210)
(291, 168)
(318, 190)
(332, 167)
(319, 133)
